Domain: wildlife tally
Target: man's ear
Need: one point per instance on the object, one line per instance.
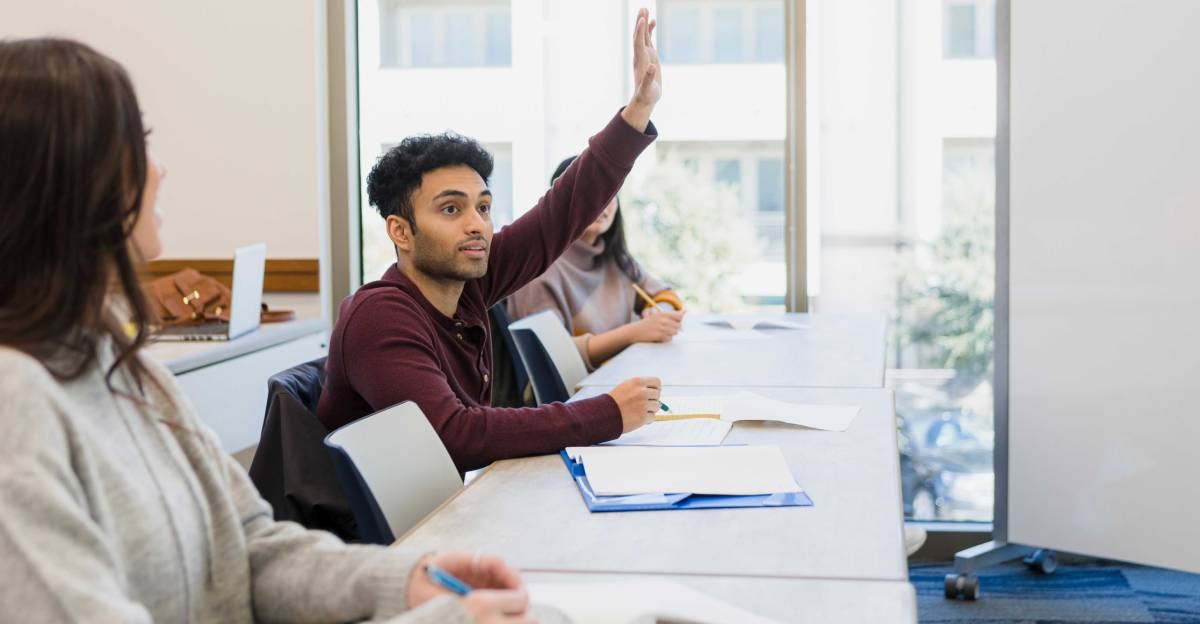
(401, 233)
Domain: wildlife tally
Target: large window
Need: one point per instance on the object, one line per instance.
(901, 194)
(900, 183)
(709, 193)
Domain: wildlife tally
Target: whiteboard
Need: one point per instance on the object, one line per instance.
(1104, 279)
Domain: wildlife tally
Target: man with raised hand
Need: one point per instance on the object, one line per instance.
(420, 333)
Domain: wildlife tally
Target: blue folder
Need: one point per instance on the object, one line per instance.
(655, 502)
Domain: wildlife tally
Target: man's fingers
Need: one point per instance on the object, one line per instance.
(639, 33)
(650, 382)
(650, 32)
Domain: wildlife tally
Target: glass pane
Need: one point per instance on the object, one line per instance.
(901, 196)
(727, 35)
(679, 35)
(770, 185)
(768, 34)
(460, 41)
(389, 34)
(420, 38)
(728, 171)
(499, 39)
(960, 30)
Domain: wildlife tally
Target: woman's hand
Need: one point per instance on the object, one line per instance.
(499, 595)
(660, 326)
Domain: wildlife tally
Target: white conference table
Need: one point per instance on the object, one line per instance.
(841, 560)
(834, 351)
(786, 600)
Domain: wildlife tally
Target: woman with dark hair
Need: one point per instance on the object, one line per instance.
(594, 287)
(116, 503)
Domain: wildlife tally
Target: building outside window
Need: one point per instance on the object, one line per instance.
(444, 34)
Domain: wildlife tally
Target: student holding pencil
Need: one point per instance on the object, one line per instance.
(602, 295)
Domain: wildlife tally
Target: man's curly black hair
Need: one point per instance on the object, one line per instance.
(397, 174)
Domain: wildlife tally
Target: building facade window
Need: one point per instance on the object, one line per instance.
(969, 29)
(452, 34)
(711, 31)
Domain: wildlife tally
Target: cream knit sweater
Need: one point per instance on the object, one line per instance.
(109, 514)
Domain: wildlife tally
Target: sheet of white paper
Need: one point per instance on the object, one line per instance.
(624, 601)
(725, 470)
(690, 432)
(705, 404)
(744, 323)
(747, 405)
(751, 406)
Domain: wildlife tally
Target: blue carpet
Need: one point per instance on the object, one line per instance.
(1100, 593)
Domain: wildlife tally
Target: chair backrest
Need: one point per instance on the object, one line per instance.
(394, 470)
(500, 318)
(291, 468)
(557, 351)
(303, 381)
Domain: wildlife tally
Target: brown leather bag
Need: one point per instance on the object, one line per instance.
(188, 296)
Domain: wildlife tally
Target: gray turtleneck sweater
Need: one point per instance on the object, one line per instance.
(115, 510)
(587, 291)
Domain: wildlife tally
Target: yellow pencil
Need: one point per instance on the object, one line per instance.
(687, 416)
(645, 297)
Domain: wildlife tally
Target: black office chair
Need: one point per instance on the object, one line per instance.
(543, 375)
(291, 468)
(509, 379)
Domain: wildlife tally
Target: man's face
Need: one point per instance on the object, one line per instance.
(452, 208)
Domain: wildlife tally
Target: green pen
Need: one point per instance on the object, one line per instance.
(663, 406)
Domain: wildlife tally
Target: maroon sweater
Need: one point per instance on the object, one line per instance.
(391, 345)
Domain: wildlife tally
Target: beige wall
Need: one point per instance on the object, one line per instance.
(232, 90)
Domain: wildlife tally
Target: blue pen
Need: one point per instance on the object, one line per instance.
(447, 580)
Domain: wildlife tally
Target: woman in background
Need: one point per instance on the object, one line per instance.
(593, 288)
(116, 503)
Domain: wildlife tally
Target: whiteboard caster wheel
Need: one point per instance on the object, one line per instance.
(963, 585)
(1044, 561)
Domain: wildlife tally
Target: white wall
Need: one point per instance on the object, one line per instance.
(1104, 251)
(231, 90)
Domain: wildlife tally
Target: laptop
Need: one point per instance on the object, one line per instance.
(249, 265)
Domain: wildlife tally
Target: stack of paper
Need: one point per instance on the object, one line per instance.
(718, 470)
(622, 602)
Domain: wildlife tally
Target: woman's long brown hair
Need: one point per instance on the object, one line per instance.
(72, 169)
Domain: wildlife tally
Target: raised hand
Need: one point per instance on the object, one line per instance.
(647, 74)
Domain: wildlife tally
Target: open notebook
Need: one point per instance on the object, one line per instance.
(700, 420)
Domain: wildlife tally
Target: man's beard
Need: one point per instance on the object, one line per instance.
(431, 262)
